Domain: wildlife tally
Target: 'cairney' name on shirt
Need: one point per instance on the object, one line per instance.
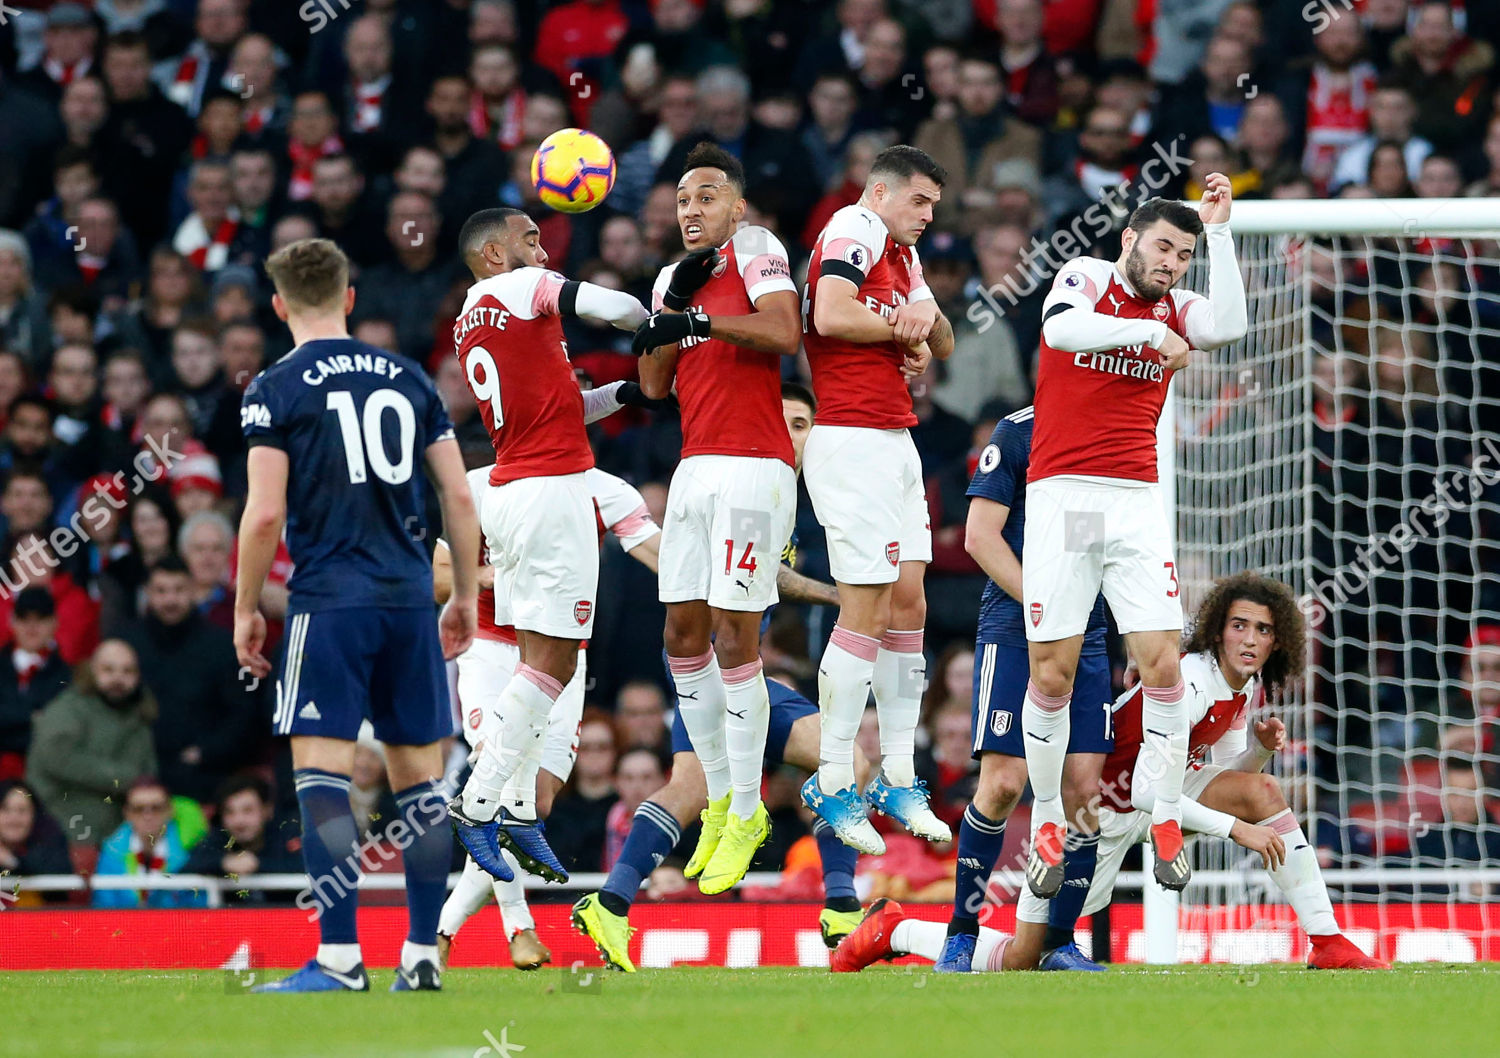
(343, 363)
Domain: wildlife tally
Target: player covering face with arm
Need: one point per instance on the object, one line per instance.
(1112, 335)
(727, 314)
(1248, 640)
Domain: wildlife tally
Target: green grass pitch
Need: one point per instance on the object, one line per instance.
(904, 1011)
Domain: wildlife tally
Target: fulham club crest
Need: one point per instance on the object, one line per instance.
(1159, 310)
(999, 722)
(893, 552)
(582, 610)
(1036, 615)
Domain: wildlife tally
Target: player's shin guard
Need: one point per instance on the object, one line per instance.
(844, 677)
(747, 719)
(898, 680)
(330, 842)
(519, 796)
(1163, 758)
(1046, 725)
(700, 703)
(515, 913)
(654, 833)
(523, 709)
(1080, 855)
(838, 868)
(980, 840)
(423, 808)
(1300, 878)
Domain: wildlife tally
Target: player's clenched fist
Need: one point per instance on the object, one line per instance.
(1214, 209)
(914, 322)
(688, 278)
(1174, 351)
(668, 328)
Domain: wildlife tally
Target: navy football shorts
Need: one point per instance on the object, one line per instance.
(1000, 675)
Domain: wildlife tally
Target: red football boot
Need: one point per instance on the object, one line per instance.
(1171, 869)
(1337, 952)
(871, 940)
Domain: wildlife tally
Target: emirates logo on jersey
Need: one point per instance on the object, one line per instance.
(582, 610)
(893, 552)
(474, 717)
(1159, 310)
(1036, 615)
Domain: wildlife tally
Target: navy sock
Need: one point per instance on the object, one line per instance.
(1080, 854)
(838, 869)
(980, 840)
(653, 834)
(424, 810)
(330, 845)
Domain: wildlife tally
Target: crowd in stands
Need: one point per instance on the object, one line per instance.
(153, 152)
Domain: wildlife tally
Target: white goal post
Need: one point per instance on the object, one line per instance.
(1366, 388)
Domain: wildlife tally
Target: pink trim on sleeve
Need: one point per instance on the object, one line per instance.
(850, 251)
(544, 297)
(632, 523)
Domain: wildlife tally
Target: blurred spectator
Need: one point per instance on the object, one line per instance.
(370, 788)
(474, 166)
(414, 277)
(1031, 79)
(149, 842)
(1103, 164)
(1439, 177)
(246, 840)
(1211, 154)
(829, 126)
(252, 76)
(80, 437)
(849, 184)
(1393, 115)
(1447, 73)
(52, 234)
(210, 723)
(380, 112)
(579, 820)
(151, 526)
(32, 673)
(312, 134)
(1327, 98)
(1265, 137)
(205, 543)
(638, 775)
(68, 44)
(948, 765)
(31, 842)
(203, 65)
(32, 562)
(84, 108)
(1212, 99)
(971, 145)
(144, 137)
(100, 256)
(24, 329)
(174, 288)
(252, 177)
(1477, 715)
(1388, 176)
(641, 718)
(90, 742)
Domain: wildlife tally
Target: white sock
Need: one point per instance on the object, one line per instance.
(470, 894)
(700, 702)
(1163, 757)
(1046, 724)
(411, 954)
(912, 936)
(523, 708)
(844, 678)
(515, 914)
(519, 796)
(1300, 879)
(340, 958)
(747, 719)
(989, 951)
(900, 678)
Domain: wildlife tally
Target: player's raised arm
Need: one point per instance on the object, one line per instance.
(590, 301)
(1223, 316)
(260, 532)
(461, 529)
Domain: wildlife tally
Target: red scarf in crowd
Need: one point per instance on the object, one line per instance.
(61, 75)
(369, 104)
(209, 251)
(303, 159)
(509, 133)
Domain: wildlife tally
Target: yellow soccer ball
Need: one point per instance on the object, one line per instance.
(573, 170)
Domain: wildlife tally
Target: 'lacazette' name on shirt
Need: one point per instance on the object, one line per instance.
(342, 364)
(479, 316)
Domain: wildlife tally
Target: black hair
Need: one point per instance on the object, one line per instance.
(904, 161)
(1173, 212)
(485, 226)
(168, 563)
(239, 784)
(709, 155)
(797, 391)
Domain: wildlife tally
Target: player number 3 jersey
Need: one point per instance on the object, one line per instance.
(731, 396)
(860, 383)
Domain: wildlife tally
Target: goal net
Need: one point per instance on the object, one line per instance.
(1350, 446)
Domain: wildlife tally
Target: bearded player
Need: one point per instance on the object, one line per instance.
(870, 323)
(1112, 336)
(1247, 644)
(726, 315)
(538, 513)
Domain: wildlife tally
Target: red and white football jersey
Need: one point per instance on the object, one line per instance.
(509, 339)
(1219, 716)
(860, 383)
(1096, 412)
(619, 509)
(731, 396)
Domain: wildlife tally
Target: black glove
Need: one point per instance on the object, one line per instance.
(668, 328)
(688, 278)
(631, 395)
